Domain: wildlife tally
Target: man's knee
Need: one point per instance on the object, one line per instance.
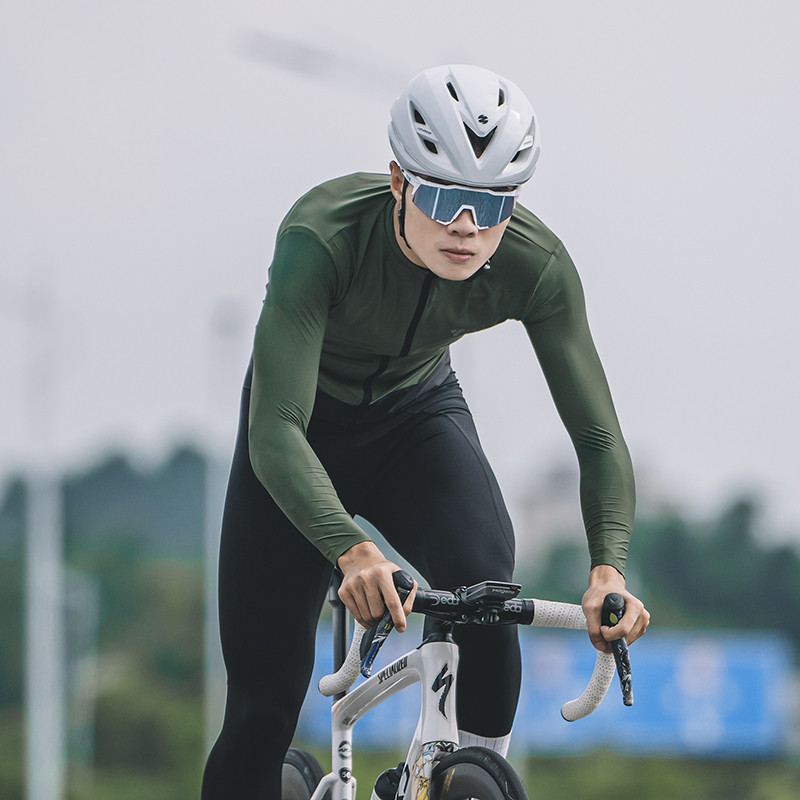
(258, 715)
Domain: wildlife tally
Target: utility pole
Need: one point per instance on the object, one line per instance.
(44, 629)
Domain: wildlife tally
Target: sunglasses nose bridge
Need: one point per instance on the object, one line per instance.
(464, 220)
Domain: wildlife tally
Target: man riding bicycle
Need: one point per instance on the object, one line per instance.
(350, 406)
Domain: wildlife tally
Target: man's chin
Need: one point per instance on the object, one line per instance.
(455, 272)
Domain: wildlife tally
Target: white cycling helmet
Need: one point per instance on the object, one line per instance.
(465, 125)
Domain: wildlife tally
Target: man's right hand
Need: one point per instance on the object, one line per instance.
(367, 587)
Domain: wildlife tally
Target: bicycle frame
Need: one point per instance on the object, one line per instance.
(434, 665)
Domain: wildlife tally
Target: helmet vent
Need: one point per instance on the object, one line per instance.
(479, 143)
(431, 146)
(501, 98)
(452, 90)
(418, 118)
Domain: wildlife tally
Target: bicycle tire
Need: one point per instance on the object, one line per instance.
(300, 775)
(477, 773)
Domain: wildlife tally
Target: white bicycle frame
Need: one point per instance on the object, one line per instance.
(433, 665)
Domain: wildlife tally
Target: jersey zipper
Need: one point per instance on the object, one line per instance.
(424, 291)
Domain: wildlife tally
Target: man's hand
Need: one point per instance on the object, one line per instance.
(367, 587)
(602, 580)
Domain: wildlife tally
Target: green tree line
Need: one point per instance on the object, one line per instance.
(719, 572)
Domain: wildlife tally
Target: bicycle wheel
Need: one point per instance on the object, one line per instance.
(478, 773)
(300, 776)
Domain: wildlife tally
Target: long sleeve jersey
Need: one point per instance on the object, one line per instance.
(346, 312)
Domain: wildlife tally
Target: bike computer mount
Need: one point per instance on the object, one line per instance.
(487, 598)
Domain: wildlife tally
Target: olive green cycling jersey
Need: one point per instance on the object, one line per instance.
(346, 312)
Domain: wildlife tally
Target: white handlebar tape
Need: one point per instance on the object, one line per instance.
(347, 674)
(548, 614)
(604, 669)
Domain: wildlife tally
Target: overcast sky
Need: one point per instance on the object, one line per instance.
(150, 149)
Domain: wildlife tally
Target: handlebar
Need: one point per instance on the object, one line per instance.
(487, 603)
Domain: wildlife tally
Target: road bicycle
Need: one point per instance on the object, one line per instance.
(435, 767)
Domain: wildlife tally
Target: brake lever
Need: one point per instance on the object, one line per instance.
(373, 641)
(375, 637)
(613, 610)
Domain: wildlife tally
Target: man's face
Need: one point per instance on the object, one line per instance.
(454, 251)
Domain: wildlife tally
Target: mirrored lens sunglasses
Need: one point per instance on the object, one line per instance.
(444, 203)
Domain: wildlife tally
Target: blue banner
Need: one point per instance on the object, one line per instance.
(697, 693)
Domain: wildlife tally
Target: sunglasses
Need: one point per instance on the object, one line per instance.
(444, 203)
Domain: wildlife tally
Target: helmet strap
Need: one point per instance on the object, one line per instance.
(401, 213)
(487, 265)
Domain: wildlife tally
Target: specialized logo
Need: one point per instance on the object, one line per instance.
(393, 669)
(483, 119)
(345, 749)
(444, 680)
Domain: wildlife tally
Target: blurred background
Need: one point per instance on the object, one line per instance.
(149, 152)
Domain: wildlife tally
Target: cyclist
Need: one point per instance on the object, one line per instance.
(350, 406)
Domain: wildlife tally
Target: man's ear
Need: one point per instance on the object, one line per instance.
(396, 180)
